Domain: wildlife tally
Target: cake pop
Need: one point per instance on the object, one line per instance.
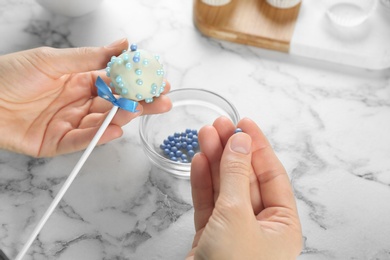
(136, 74)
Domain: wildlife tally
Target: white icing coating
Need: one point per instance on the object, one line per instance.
(137, 75)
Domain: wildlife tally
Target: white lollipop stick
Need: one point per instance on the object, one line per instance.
(68, 182)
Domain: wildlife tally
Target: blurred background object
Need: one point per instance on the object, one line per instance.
(283, 3)
(348, 32)
(71, 8)
(216, 2)
(350, 13)
(386, 3)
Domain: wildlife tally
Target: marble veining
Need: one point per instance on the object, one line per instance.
(48, 35)
(329, 125)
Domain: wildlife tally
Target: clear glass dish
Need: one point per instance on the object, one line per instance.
(191, 109)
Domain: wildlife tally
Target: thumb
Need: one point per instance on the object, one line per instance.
(82, 59)
(235, 169)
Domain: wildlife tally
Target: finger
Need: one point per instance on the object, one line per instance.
(159, 105)
(225, 129)
(100, 105)
(202, 190)
(94, 76)
(259, 141)
(235, 171)
(257, 202)
(167, 87)
(107, 80)
(121, 118)
(276, 190)
(211, 147)
(78, 139)
(83, 59)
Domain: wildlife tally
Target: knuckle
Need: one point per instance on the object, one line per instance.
(45, 51)
(228, 207)
(83, 51)
(237, 167)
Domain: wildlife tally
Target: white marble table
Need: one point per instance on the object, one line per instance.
(329, 124)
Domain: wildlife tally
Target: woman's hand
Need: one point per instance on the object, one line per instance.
(244, 204)
(49, 103)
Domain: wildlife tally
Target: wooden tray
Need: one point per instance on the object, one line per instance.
(252, 22)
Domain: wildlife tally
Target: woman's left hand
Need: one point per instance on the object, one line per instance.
(49, 103)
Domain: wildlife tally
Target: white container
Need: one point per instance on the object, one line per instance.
(350, 13)
(284, 4)
(71, 8)
(217, 2)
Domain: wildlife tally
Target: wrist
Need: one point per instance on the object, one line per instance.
(5, 123)
(10, 125)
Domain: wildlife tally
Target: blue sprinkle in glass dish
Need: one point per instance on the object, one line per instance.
(191, 109)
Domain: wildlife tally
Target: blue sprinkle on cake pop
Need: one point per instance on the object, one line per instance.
(133, 47)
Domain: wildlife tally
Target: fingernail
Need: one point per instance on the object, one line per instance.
(116, 43)
(241, 143)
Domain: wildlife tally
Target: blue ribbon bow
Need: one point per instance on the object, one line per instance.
(105, 92)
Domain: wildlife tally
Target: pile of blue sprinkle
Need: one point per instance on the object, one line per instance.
(181, 146)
